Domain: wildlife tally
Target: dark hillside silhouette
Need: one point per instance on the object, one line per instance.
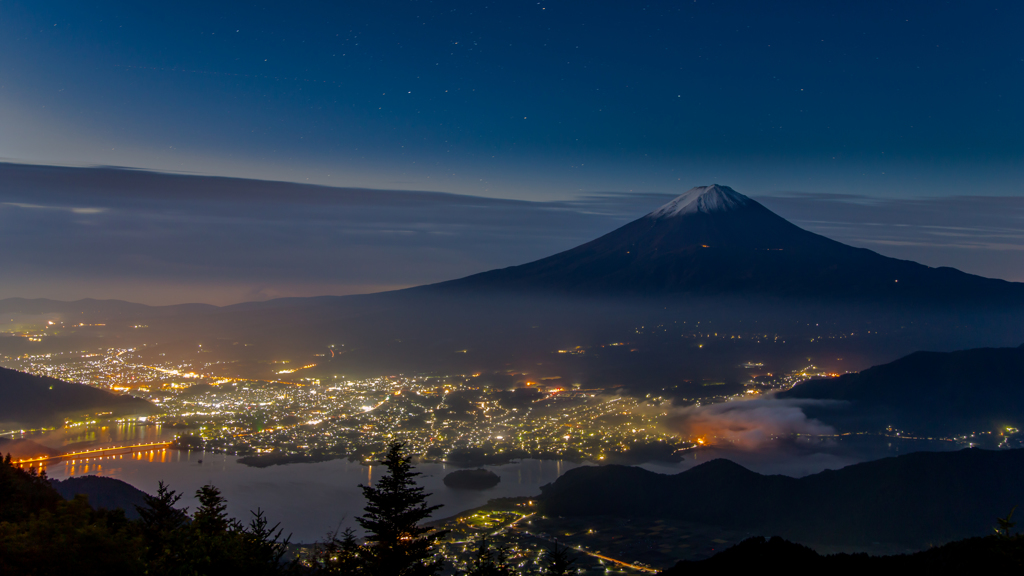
(103, 492)
(37, 400)
(991, 554)
(914, 500)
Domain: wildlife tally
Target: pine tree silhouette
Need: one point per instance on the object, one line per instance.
(263, 548)
(342, 555)
(558, 561)
(1005, 525)
(163, 529)
(397, 545)
(211, 518)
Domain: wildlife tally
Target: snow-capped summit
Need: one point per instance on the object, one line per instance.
(702, 199)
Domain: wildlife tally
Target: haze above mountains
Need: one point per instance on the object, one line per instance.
(697, 287)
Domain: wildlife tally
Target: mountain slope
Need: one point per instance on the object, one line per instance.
(103, 492)
(713, 240)
(917, 499)
(927, 393)
(35, 400)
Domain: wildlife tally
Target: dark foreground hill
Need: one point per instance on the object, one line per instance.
(921, 499)
(926, 393)
(31, 400)
(108, 493)
(991, 554)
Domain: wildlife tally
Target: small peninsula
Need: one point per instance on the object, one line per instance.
(478, 479)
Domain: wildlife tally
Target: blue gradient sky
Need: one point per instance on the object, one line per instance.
(894, 126)
(535, 100)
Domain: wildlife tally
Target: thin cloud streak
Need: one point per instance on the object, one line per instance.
(71, 209)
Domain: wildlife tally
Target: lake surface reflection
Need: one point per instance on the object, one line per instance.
(308, 499)
(311, 499)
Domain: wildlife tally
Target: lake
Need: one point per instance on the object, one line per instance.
(311, 499)
(308, 499)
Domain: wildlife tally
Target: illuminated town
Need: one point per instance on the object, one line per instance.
(446, 418)
(294, 411)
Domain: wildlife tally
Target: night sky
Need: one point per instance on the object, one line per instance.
(895, 126)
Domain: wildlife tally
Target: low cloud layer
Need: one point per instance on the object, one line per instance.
(746, 424)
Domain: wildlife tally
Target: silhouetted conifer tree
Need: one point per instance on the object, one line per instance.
(1005, 525)
(397, 545)
(263, 548)
(214, 538)
(211, 542)
(163, 529)
(558, 561)
(211, 518)
(342, 556)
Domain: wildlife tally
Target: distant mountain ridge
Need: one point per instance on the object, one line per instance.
(92, 306)
(942, 393)
(917, 499)
(713, 241)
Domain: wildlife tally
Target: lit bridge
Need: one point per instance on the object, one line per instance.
(94, 453)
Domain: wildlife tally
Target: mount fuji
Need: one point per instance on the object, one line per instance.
(676, 284)
(713, 241)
